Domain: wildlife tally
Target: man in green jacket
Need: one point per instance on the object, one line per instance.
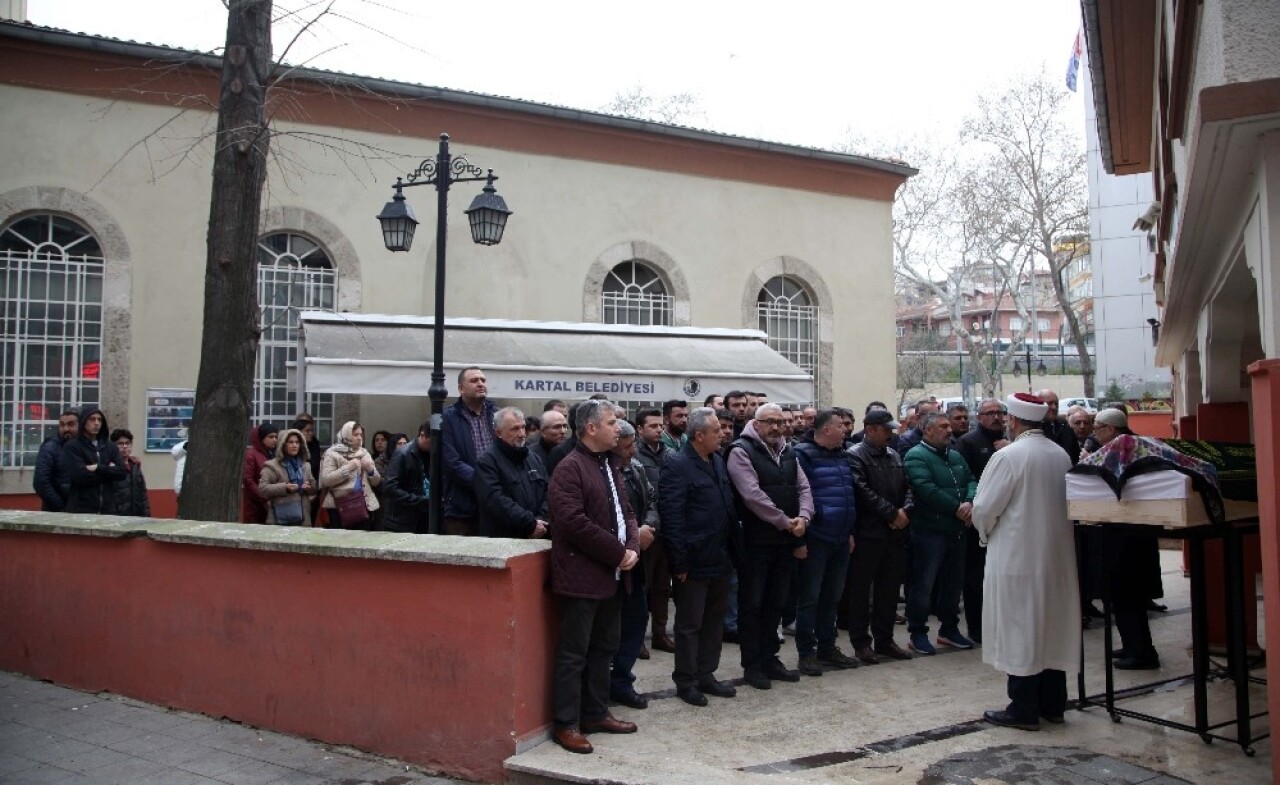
(943, 489)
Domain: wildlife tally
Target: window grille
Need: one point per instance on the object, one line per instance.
(51, 275)
(294, 274)
(789, 318)
(635, 294)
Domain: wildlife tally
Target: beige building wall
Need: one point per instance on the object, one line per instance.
(717, 239)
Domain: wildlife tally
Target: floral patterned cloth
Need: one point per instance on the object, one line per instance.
(1128, 456)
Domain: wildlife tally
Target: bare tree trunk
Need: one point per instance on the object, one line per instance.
(229, 344)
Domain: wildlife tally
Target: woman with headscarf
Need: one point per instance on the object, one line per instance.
(286, 482)
(348, 468)
(262, 445)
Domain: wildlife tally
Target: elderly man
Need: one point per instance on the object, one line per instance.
(1031, 631)
(466, 432)
(943, 491)
(1057, 430)
(652, 453)
(700, 534)
(511, 482)
(879, 561)
(977, 447)
(595, 543)
(553, 429)
(1081, 423)
(635, 604)
(828, 543)
(775, 505)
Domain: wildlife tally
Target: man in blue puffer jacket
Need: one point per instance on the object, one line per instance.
(828, 543)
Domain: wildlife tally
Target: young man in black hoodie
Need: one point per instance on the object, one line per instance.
(90, 464)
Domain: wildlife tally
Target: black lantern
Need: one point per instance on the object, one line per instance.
(398, 222)
(488, 215)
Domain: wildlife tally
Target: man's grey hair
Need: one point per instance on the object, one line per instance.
(702, 418)
(500, 416)
(767, 408)
(591, 412)
(999, 403)
(931, 418)
(625, 429)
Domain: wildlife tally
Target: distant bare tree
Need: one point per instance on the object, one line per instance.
(638, 103)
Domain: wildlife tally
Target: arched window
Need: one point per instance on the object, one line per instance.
(51, 276)
(635, 294)
(790, 319)
(294, 274)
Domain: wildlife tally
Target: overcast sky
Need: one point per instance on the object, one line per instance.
(801, 72)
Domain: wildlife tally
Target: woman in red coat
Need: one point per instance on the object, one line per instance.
(262, 446)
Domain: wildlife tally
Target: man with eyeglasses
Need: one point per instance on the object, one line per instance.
(977, 447)
(553, 429)
(775, 505)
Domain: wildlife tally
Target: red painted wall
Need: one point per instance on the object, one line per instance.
(164, 503)
(445, 666)
(1157, 425)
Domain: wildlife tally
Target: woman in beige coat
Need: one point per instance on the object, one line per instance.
(286, 482)
(342, 465)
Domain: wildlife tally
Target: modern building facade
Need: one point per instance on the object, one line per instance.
(104, 200)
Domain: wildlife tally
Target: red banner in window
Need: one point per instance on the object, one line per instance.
(90, 370)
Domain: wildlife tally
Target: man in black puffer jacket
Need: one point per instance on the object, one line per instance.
(511, 482)
(90, 464)
(406, 491)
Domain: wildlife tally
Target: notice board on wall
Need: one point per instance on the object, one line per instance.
(168, 417)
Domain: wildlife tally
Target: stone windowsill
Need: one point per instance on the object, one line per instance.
(392, 546)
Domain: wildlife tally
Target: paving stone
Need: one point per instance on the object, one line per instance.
(99, 732)
(142, 744)
(125, 772)
(193, 729)
(155, 720)
(294, 777)
(11, 762)
(93, 758)
(214, 762)
(256, 772)
(45, 775)
(168, 776)
(1112, 771)
(55, 748)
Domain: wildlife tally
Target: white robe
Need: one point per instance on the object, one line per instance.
(1030, 594)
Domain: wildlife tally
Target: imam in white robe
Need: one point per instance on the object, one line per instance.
(1030, 594)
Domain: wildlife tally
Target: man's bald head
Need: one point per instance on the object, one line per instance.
(1050, 397)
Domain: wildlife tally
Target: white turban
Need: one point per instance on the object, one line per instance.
(1025, 406)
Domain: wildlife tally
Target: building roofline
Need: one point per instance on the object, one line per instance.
(27, 31)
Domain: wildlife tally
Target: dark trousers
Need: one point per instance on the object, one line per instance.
(936, 559)
(875, 573)
(459, 527)
(634, 619)
(1131, 622)
(659, 587)
(821, 579)
(791, 608)
(975, 568)
(763, 585)
(700, 608)
(1041, 695)
(589, 633)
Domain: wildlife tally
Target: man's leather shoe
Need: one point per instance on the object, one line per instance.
(1137, 664)
(810, 666)
(718, 688)
(893, 651)
(757, 679)
(609, 724)
(1006, 720)
(867, 655)
(572, 740)
(837, 659)
(1056, 719)
(778, 672)
(663, 642)
(632, 700)
(644, 652)
(692, 696)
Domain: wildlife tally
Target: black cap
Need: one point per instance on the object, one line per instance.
(880, 417)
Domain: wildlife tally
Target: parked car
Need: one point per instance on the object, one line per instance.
(1090, 404)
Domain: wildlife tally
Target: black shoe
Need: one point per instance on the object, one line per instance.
(730, 636)
(718, 688)
(757, 679)
(1056, 719)
(1006, 720)
(810, 666)
(837, 659)
(1091, 611)
(632, 700)
(1119, 654)
(692, 696)
(1149, 663)
(1152, 605)
(778, 672)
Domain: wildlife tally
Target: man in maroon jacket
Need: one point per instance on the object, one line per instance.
(594, 544)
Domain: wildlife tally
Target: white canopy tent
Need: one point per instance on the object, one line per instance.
(373, 354)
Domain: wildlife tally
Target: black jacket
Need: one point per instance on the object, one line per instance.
(700, 527)
(880, 484)
(90, 491)
(511, 487)
(908, 440)
(50, 483)
(1061, 434)
(559, 452)
(405, 507)
(129, 494)
(977, 447)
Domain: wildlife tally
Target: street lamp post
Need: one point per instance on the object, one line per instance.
(488, 217)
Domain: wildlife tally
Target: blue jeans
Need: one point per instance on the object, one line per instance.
(937, 561)
(821, 578)
(635, 619)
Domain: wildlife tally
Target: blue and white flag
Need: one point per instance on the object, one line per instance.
(1073, 66)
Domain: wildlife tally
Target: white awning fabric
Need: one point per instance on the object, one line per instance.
(391, 355)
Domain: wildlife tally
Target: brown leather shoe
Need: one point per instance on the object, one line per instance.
(867, 655)
(572, 740)
(892, 649)
(609, 724)
(644, 652)
(663, 642)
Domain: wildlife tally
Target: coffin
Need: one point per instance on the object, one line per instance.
(1164, 499)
